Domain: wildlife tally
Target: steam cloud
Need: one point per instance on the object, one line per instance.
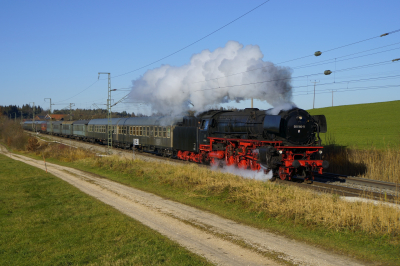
(245, 173)
(211, 79)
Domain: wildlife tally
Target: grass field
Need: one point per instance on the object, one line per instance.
(362, 125)
(362, 230)
(46, 221)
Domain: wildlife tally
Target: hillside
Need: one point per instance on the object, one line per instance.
(362, 125)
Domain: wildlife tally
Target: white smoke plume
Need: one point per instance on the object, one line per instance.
(280, 107)
(245, 173)
(211, 78)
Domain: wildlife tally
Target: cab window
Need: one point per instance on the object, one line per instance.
(204, 125)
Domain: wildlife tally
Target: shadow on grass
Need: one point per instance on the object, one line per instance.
(340, 161)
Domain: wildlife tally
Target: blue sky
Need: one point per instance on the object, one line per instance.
(54, 49)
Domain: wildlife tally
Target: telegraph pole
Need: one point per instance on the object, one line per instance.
(33, 120)
(315, 82)
(109, 124)
(50, 104)
(70, 110)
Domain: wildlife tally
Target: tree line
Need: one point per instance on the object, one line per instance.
(26, 112)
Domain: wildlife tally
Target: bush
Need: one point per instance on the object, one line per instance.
(12, 134)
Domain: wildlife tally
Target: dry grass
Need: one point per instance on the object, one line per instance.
(57, 151)
(269, 199)
(64, 153)
(12, 134)
(372, 163)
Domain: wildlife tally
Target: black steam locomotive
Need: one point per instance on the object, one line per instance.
(287, 144)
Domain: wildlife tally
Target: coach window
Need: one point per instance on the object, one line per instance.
(168, 132)
(164, 132)
(155, 131)
(140, 131)
(148, 131)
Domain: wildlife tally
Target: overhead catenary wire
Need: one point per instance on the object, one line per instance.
(261, 67)
(302, 76)
(79, 92)
(311, 55)
(202, 38)
(352, 81)
(187, 46)
(351, 89)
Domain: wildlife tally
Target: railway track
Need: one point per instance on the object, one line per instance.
(341, 185)
(349, 186)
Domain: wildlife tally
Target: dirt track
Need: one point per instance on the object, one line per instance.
(221, 241)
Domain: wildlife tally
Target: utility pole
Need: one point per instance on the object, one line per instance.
(33, 115)
(70, 110)
(21, 115)
(251, 102)
(50, 104)
(315, 82)
(109, 124)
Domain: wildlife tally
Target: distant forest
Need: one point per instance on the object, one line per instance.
(26, 111)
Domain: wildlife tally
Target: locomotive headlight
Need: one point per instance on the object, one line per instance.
(320, 151)
(280, 152)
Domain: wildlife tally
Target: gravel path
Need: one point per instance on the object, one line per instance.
(221, 241)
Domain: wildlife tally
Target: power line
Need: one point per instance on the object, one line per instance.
(353, 81)
(187, 46)
(225, 76)
(290, 78)
(352, 89)
(177, 50)
(331, 60)
(79, 92)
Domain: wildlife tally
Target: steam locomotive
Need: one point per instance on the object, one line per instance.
(288, 144)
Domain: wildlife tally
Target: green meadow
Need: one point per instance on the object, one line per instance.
(362, 126)
(46, 221)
